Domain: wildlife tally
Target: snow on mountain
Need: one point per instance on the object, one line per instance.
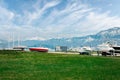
(89, 39)
(69, 40)
(112, 35)
(110, 32)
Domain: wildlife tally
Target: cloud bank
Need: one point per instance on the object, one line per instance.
(43, 19)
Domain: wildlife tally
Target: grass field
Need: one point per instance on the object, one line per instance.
(43, 66)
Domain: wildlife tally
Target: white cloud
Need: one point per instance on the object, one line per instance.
(36, 38)
(110, 4)
(6, 16)
(95, 22)
(64, 19)
(32, 16)
(75, 19)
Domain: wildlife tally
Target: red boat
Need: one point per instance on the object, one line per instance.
(39, 49)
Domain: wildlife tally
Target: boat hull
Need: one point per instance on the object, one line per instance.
(39, 49)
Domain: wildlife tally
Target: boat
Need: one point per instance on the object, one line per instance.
(39, 49)
(85, 50)
(105, 47)
(117, 49)
(22, 48)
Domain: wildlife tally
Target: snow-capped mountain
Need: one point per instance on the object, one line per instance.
(112, 35)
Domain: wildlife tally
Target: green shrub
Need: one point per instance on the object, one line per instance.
(9, 52)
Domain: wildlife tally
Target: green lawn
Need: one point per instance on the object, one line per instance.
(44, 66)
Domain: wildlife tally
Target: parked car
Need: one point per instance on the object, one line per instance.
(84, 53)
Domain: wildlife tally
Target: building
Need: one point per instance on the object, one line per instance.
(61, 48)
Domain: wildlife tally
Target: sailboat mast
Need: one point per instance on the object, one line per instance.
(13, 39)
(18, 41)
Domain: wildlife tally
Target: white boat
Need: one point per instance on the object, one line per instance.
(85, 50)
(105, 47)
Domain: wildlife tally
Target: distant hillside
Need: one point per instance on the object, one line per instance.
(112, 35)
(3, 43)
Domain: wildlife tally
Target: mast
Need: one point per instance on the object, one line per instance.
(13, 40)
(18, 41)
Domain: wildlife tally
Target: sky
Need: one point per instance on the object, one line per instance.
(46, 19)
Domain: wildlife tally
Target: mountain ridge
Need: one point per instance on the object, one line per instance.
(112, 35)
